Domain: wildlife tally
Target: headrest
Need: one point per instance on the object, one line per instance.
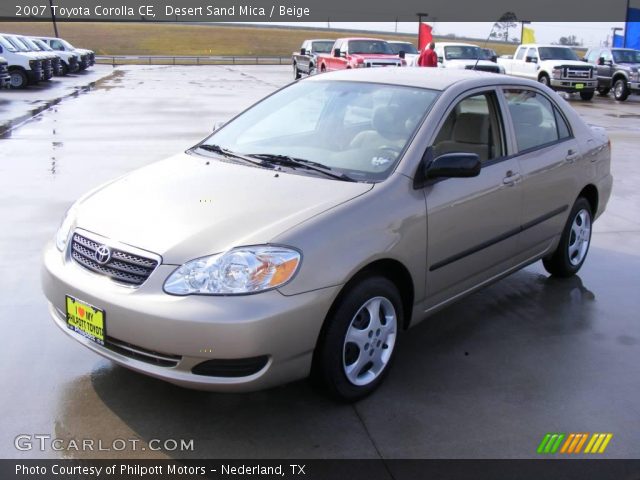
(526, 113)
(389, 122)
(471, 128)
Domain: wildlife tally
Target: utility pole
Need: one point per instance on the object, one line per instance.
(53, 19)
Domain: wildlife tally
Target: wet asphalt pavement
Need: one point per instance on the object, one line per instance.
(485, 378)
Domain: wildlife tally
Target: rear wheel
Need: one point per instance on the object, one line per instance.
(18, 79)
(574, 243)
(587, 95)
(356, 347)
(620, 90)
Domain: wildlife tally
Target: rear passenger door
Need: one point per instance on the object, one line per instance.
(546, 151)
(472, 223)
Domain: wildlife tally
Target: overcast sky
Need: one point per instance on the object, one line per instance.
(590, 33)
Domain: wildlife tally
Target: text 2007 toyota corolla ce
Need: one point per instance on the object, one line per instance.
(308, 232)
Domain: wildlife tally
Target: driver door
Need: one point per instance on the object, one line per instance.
(472, 223)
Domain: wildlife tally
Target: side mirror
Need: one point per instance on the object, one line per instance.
(303, 51)
(218, 125)
(439, 59)
(448, 165)
(453, 165)
(336, 52)
(601, 61)
(402, 54)
(494, 58)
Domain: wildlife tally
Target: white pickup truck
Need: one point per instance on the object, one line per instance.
(555, 66)
(465, 56)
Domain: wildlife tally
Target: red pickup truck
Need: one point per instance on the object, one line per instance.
(358, 53)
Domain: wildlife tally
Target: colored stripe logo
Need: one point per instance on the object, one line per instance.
(574, 443)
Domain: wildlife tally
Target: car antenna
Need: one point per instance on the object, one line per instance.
(505, 17)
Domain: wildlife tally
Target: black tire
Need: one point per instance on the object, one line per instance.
(587, 95)
(64, 69)
(544, 79)
(562, 263)
(296, 72)
(620, 90)
(334, 354)
(18, 80)
(312, 69)
(603, 91)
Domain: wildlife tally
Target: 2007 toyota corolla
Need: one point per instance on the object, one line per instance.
(306, 234)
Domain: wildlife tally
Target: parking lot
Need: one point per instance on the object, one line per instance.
(485, 378)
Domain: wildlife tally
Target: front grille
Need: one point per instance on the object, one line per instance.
(577, 72)
(484, 68)
(3, 69)
(142, 354)
(382, 64)
(122, 266)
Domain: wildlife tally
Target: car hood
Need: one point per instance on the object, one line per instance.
(569, 63)
(375, 56)
(464, 62)
(183, 208)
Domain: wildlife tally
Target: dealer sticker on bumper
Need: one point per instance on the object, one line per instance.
(85, 319)
(579, 86)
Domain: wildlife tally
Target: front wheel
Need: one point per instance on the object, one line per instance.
(587, 95)
(620, 90)
(356, 347)
(574, 243)
(18, 79)
(544, 79)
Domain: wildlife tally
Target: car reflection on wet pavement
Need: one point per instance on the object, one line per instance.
(484, 378)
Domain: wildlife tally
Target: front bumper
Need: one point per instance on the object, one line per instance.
(571, 86)
(5, 78)
(194, 329)
(634, 87)
(35, 76)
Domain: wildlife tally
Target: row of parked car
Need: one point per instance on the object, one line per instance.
(28, 60)
(558, 67)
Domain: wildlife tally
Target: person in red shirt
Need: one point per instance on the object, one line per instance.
(428, 57)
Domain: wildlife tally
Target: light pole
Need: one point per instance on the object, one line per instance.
(420, 15)
(53, 18)
(613, 34)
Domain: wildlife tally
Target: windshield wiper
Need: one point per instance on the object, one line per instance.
(293, 162)
(229, 154)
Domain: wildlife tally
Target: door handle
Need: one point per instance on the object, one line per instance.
(571, 155)
(511, 178)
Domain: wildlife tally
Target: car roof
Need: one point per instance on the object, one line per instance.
(399, 41)
(320, 40)
(455, 44)
(362, 38)
(430, 78)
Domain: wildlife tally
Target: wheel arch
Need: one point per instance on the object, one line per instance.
(619, 75)
(590, 193)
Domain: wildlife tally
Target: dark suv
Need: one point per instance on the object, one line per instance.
(618, 69)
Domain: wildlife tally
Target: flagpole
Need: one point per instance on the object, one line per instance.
(420, 15)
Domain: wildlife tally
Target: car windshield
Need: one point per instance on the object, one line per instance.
(14, 41)
(404, 47)
(487, 54)
(626, 56)
(43, 46)
(370, 46)
(6, 44)
(30, 44)
(321, 47)
(557, 53)
(66, 44)
(354, 129)
(463, 52)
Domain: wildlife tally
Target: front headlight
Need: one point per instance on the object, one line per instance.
(239, 271)
(64, 230)
(635, 76)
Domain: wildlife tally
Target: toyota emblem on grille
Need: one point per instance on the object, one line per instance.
(103, 254)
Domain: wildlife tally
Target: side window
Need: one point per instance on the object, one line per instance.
(606, 54)
(473, 126)
(563, 128)
(520, 53)
(532, 53)
(592, 57)
(56, 45)
(534, 119)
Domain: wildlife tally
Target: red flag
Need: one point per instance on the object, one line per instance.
(424, 36)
